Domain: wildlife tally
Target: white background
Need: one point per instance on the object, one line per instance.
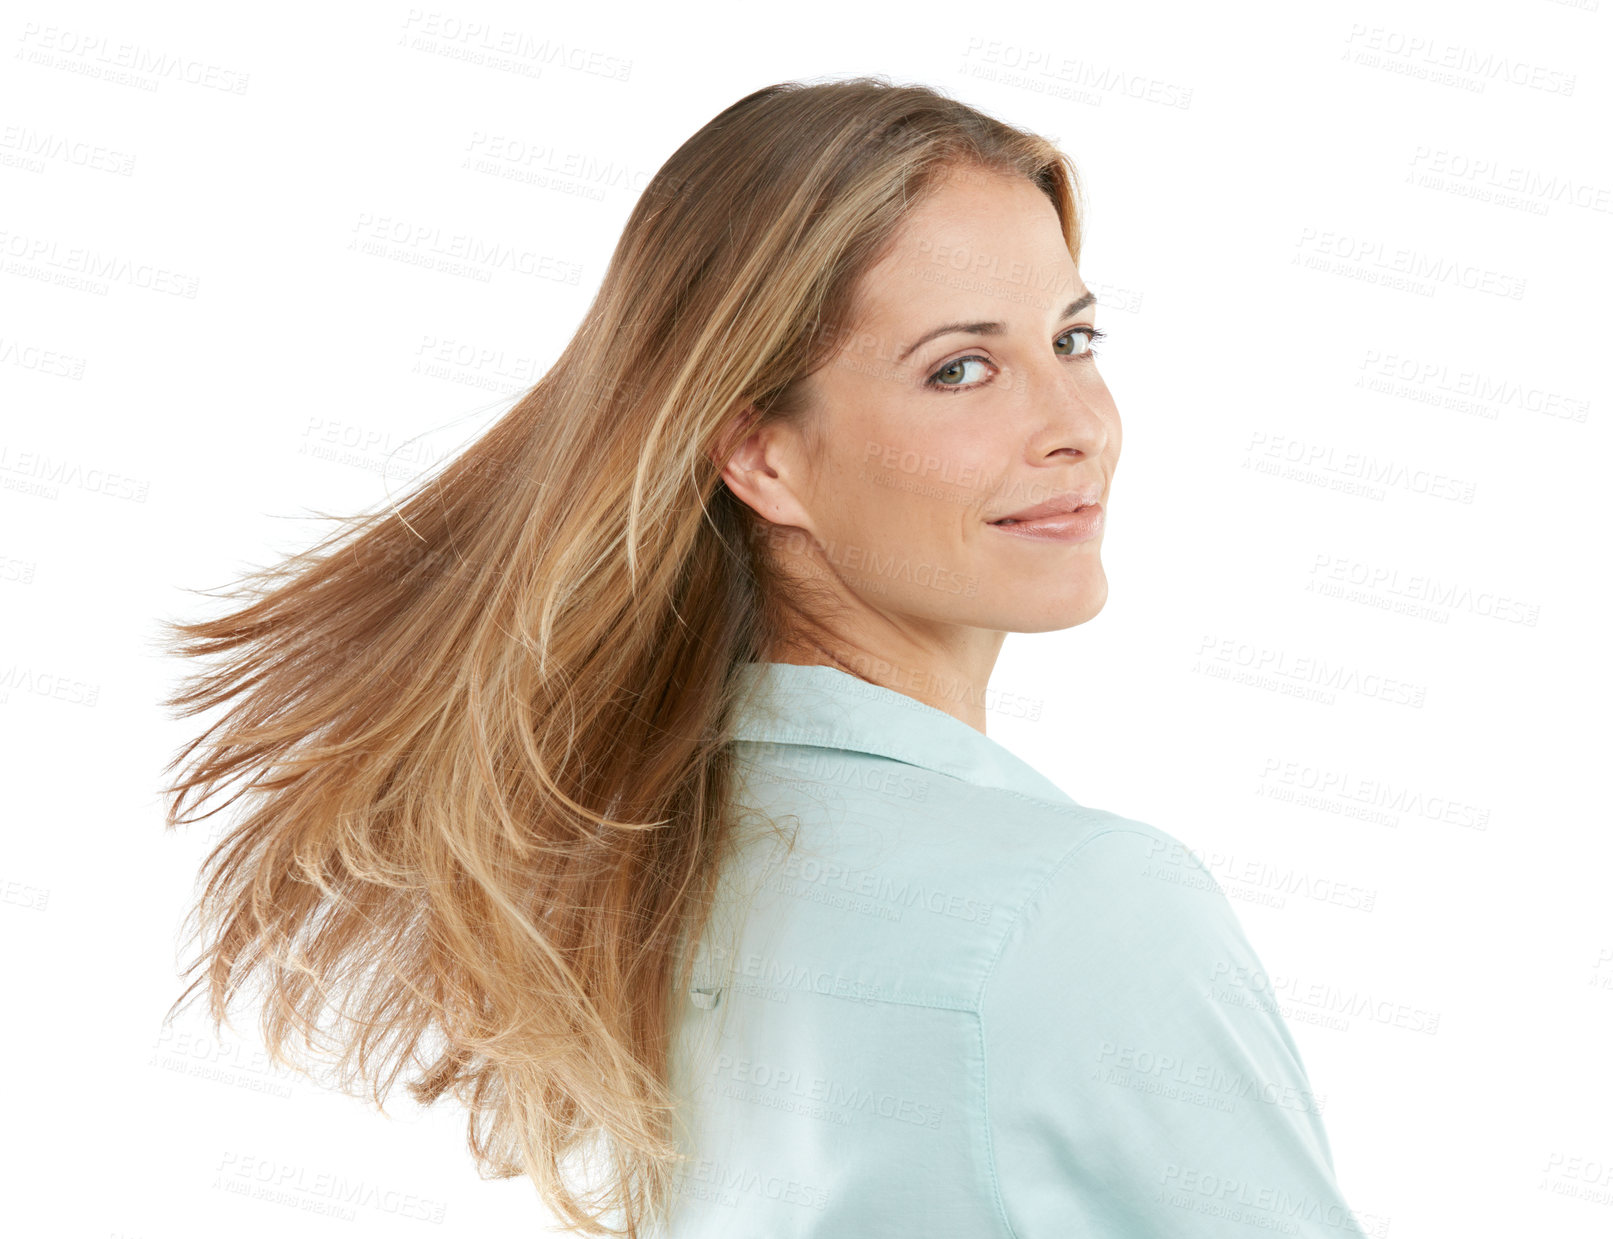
(1356, 542)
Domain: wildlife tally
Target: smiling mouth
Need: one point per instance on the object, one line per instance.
(1082, 525)
(1009, 520)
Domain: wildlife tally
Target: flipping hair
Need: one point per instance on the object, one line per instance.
(482, 733)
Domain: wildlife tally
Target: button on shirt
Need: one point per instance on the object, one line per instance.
(962, 1004)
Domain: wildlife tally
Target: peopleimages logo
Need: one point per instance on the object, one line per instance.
(1175, 861)
(1262, 1205)
(836, 1097)
(1207, 1078)
(888, 888)
(1326, 997)
(125, 64)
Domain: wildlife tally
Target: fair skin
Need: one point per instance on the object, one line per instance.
(884, 512)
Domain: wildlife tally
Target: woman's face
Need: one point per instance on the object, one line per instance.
(967, 393)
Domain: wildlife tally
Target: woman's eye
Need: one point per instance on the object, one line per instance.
(951, 374)
(1090, 334)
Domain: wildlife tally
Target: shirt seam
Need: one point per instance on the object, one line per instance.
(762, 713)
(824, 737)
(1066, 805)
(980, 1008)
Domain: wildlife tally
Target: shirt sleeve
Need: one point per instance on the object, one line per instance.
(1139, 1080)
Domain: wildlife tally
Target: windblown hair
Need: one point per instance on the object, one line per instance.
(483, 733)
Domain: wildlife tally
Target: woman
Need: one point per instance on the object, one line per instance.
(630, 776)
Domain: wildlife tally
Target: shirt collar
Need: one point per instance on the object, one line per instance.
(788, 703)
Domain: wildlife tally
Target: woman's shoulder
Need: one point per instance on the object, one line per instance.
(915, 883)
(1127, 901)
(1129, 956)
(1128, 1027)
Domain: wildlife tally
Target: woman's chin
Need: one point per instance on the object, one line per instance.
(1053, 614)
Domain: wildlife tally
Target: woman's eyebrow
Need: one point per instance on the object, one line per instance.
(991, 328)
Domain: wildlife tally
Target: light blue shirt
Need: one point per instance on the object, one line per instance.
(965, 1005)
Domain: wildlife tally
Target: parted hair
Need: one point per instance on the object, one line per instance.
(479, 735)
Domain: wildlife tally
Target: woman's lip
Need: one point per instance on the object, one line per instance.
(1078, 526)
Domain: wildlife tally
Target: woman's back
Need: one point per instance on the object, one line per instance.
(963, 1004)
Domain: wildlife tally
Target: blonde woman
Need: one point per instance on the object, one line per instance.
(629, 780)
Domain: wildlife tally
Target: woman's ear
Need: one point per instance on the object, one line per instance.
(765, 469)
(732, 433)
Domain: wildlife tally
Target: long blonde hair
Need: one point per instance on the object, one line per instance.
(482, 732)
